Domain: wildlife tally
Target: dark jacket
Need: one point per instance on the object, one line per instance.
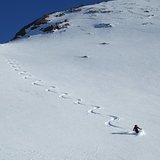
(136, 129)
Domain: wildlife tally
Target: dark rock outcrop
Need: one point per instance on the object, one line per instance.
(33, 25)
(43, 25)
(103, 25)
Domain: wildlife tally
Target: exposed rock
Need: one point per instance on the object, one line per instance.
(66, 25)
(48, 29)
(147, 23)
(146, 11)
(103, 25)
(74, 10)
(33, 25)
(59, 15)
(41, 21)
(84, 57)
(56, 26)
(19, 34)
(104, 43)
(95, 10)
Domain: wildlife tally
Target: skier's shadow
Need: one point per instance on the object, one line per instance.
(124, 133)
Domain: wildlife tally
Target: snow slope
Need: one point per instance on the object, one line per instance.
(76, 93)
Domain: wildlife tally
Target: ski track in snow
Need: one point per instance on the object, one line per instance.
(113, 119)
(51, 89)
(79, 102)
(64, 95)
(38, 83)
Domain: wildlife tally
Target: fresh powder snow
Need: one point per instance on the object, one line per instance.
(74, 83)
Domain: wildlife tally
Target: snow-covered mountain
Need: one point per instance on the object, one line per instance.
(74, 83)
(56, 21)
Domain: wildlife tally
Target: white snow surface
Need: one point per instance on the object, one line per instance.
(76, 94)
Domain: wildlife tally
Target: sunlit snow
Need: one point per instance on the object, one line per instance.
(76, 93)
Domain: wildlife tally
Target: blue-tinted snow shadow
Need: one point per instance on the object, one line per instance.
(124, 133)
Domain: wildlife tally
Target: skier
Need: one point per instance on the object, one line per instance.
(137, 129)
